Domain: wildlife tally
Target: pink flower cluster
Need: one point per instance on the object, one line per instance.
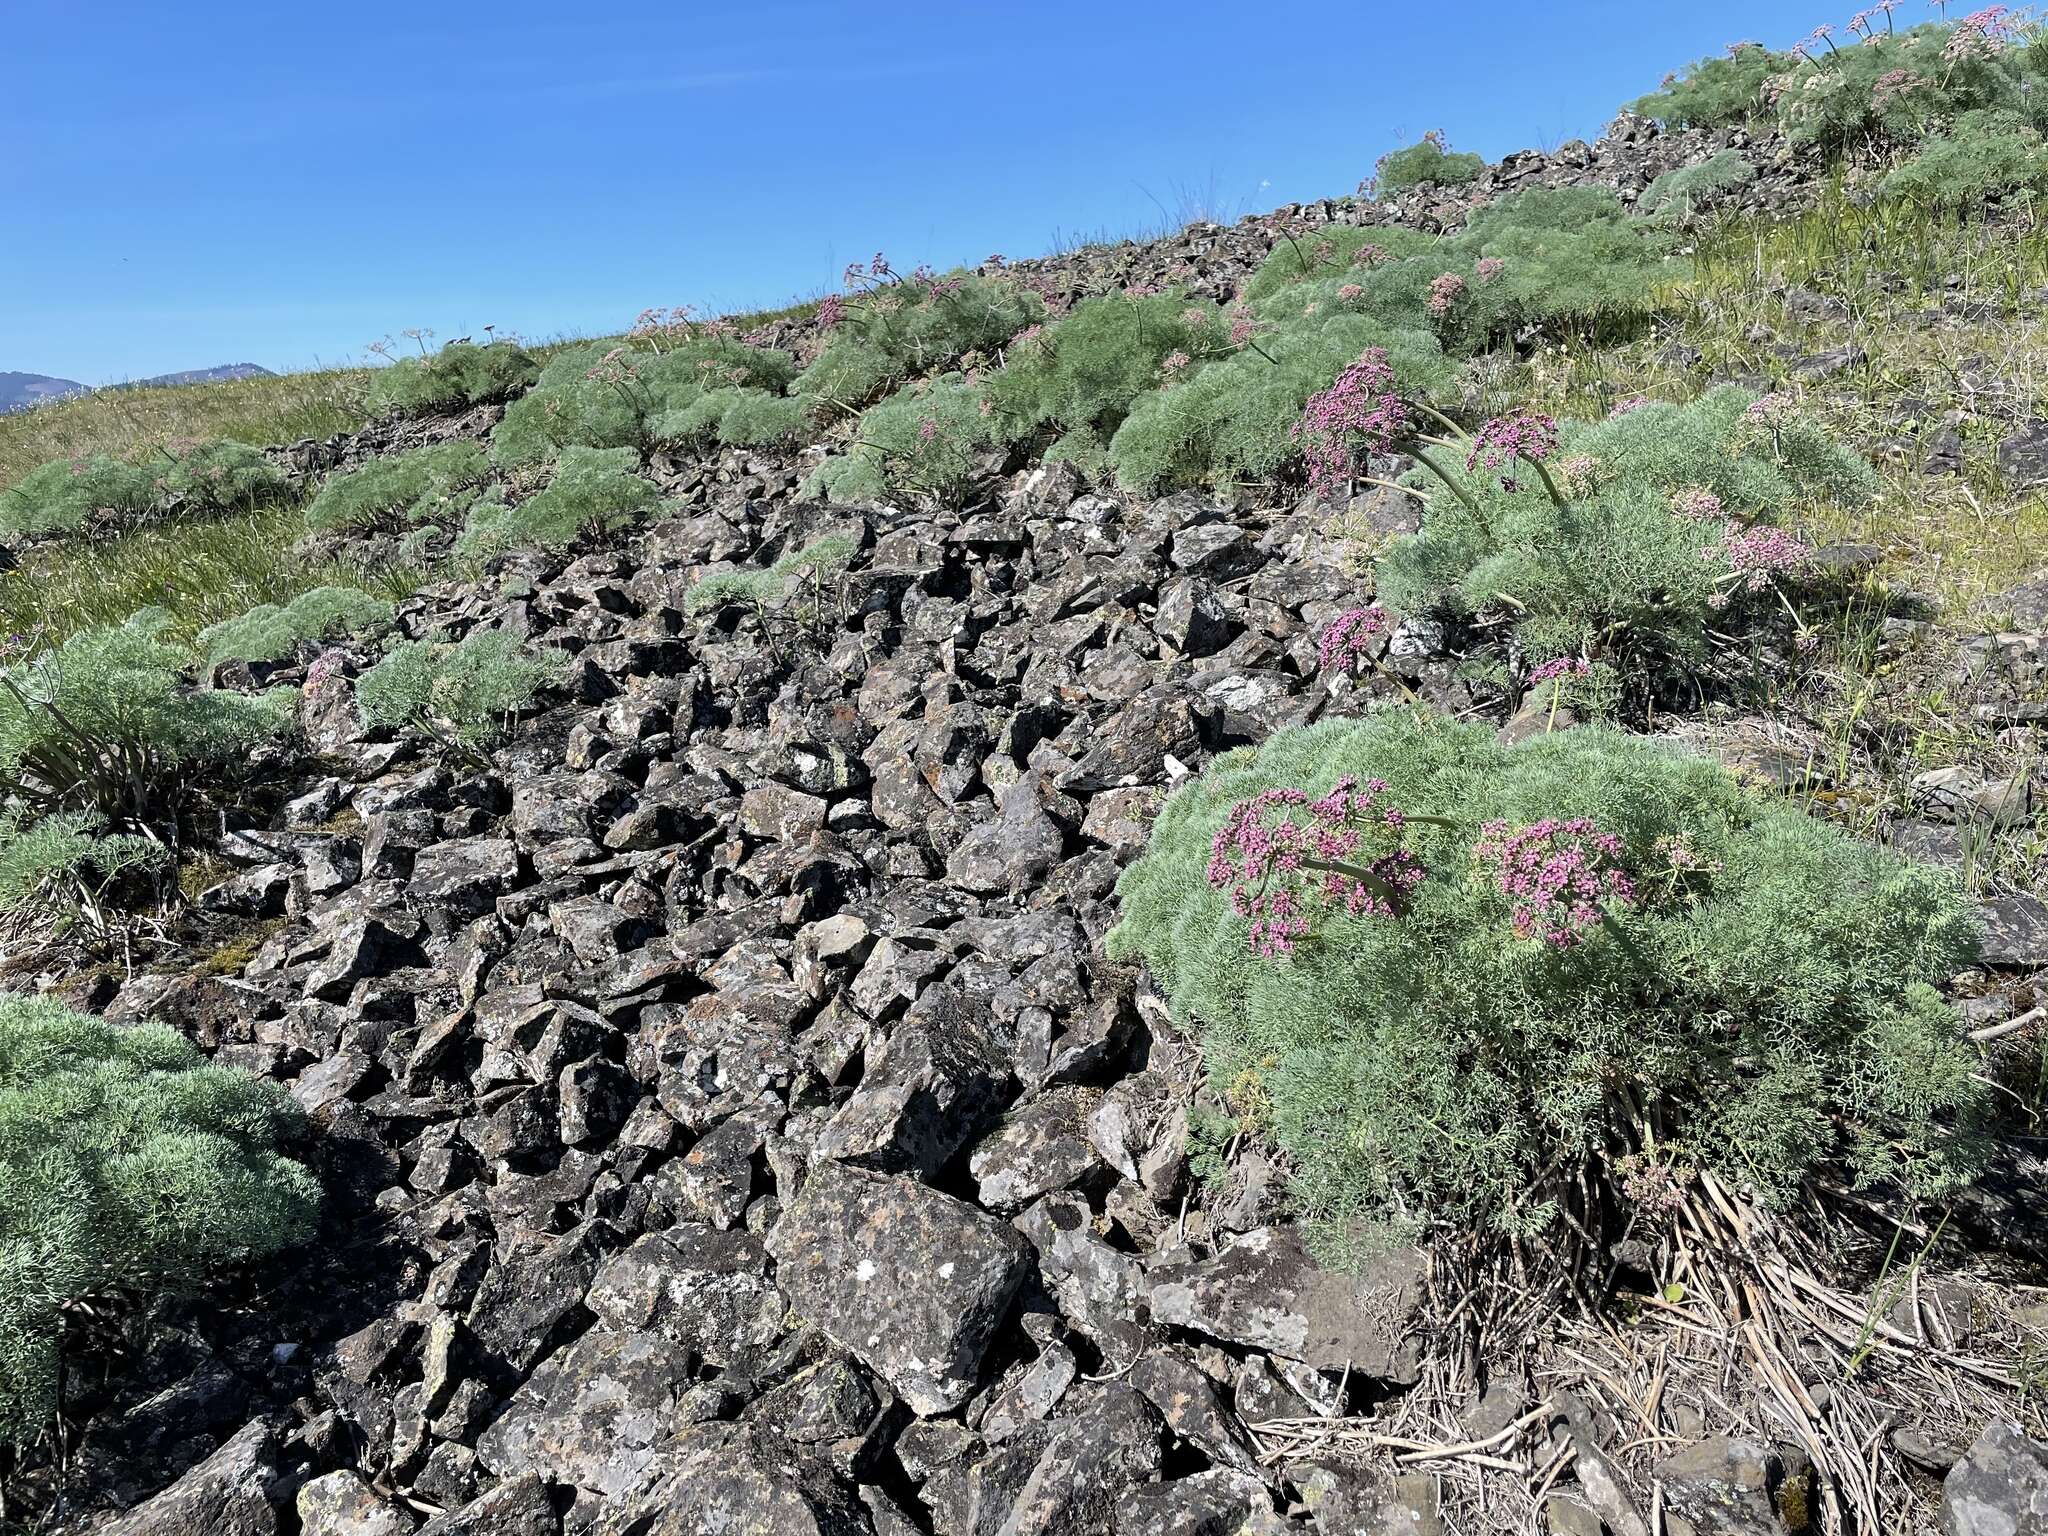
(672, 321)
(831, 312)
(1174, 364)
(1758, 555)
(1490, 268)
(1241, 326)
(1360, 410)
(1279, 871)
(1560, 875)
(1562, 667)
(1444, 292)
(1696, 502)
(1893, 84)
(1368, 255)
(1628, 406)
(1350, 293)
(1523, 435)
(1347, 637)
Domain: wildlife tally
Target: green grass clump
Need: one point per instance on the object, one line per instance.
(594, 491)
(1078, 378)
(1690, 187)
(106, 722)
(738, 418)
(1764, 1006)
(435, 483)
(464, 693)
(910, 327)
(274, 632)
(460, 374)
(130, 1167)
(1429, 163)
(1618, 565)
(61, 496)
(925, 441)
(599, 396)
(1987, 154)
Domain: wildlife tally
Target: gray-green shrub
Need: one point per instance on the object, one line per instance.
(737, 418)
(460, 374)
(273, 632)
(1621, 567)
(1987, 154)
(1430, 162)
(466, 692)
(924, 441)
(594, 491)
(57, 870)
(222, 476)
(128, 1166)
(1685, 189)
(435, 483)
(770, 586)
(904, 329)
(59, 497)
(612, 396)
(107, 722)
(1766, 1003)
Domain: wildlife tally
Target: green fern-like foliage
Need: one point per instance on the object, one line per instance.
(460, 374)
(1082, 375)
(224, 476)
(601, 396)
(1620, 566)
(923, 442)
(1233, 419)
(432, 484)
(736, 418)
(1767, 1004)
(1430, 162)
(595, 491)
(107, 722)
(128, 1165)
(61, 496)
(910, 328)
(1331, 253)
(466, 692)
(1987, 154)
(54, 863)
(274, 632)
(1716, 92)
(1688, 188)
(772, 586)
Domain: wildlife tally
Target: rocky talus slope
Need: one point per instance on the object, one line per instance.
(730, 1122)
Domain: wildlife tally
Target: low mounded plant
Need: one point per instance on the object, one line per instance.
(56, 871)
(737, 418)
(891, 329)
(129, 1167)
(1986, 155)
(222, 476)
(1625, 538)
(1429, 163)
(460, 374)
(106, 722)
(1448, 976)
(1689, 188)
(616, 396)
(594, 491)
(64, 494)
(432, 484)
(769, 587)
(926, 441)
(464, 693)
(274, 632)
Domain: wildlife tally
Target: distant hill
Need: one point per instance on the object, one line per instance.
(19, 391)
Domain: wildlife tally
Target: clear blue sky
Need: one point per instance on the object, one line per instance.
(185, 185)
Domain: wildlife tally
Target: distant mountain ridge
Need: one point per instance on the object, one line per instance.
(19, 391)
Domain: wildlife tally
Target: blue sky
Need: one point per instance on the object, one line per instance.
(282, 184)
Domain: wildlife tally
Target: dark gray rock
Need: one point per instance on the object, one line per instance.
(593, 1414)
(228, 1494)
(464, 876)
(2000, 1488)
(1218, 1502)
(519, 1506)
(1039, 1147)
(1732, 1487)
(704, 1289)
(1011, 853)
(1116, 1441)
(940, 1076)
(1266, 1292)
(342, 1504)
(738, 1480)
(2023, 457)
(911, 1282)
(2015, 931)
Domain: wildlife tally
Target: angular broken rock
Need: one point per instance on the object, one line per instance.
(1266, 1292)
(2015, 930)
(2000, 1488)
(737, 1480)
(1115, 1443)
(938, 1079)
(1218, 1502)
(704, 1289)
(592, 1415)
(228, 1494)
(1732, 1487)
(911, 1282)
(342, 1504)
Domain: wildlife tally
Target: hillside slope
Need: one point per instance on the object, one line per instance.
(678, 891)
